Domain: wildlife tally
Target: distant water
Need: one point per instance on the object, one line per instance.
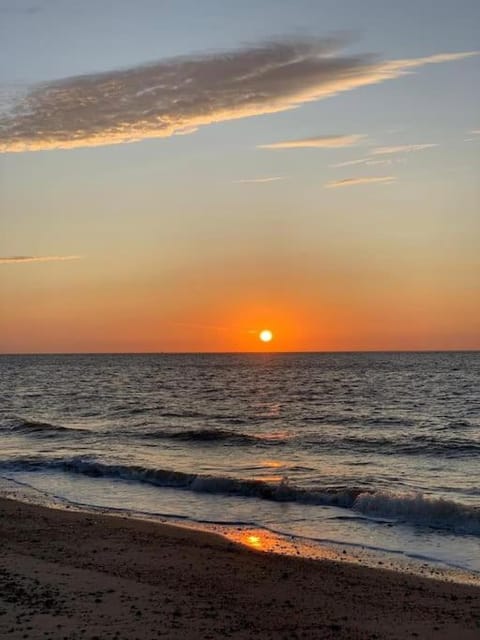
(380, 450)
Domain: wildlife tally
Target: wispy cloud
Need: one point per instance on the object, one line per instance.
(318, 142)
(476, 135)
(350, 182)
(180, 94)
(366, 161)
(349, 163)
(372, 159)
(23, 259)
(402, 148)
(259, 180)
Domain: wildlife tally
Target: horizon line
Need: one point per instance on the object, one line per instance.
(172, 353)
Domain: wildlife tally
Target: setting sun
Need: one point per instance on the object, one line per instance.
(265, 335)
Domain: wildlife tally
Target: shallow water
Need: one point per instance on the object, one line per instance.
(371, 450)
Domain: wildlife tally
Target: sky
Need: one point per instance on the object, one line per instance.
(178, 175)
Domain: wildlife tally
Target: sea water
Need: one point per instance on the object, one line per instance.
(376, 451)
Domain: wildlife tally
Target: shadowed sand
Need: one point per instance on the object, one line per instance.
(66, 574)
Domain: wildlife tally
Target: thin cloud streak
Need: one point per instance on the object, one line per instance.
(348, 163)
(476, 136)
(402, 148)
(318, 142)
(259, 180)
(349, 182)
(23, 259)
(367, 161)
(384, 151)
(180, 94)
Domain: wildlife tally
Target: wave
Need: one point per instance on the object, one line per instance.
(407, 507)
(36, 427)
(281, 492)
(407, 445)
(211, 435)
(454, 446)
(404, 444)
(338, 419)
(181, 414)
(420, 509)
(221, 417)
(457, 425)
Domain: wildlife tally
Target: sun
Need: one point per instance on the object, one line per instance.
(265, 335)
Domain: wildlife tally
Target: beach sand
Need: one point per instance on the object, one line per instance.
(66, 574)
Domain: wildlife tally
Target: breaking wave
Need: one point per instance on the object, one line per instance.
(412, 508)
(420, 509)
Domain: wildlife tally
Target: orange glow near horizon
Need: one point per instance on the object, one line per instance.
(130, 318)
(260, 326)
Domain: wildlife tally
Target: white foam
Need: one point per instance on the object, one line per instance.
(420, 509)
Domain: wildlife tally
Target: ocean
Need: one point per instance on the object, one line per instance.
(360, 451)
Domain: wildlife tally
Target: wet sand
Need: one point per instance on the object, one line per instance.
(66, 574)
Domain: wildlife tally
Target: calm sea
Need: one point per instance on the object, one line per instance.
(374, 450)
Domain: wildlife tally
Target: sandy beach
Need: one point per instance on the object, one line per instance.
(72, 575)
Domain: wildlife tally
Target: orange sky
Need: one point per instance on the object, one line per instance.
(225, 316)
(337, 205)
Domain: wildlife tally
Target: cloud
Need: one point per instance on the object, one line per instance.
(22, 259)
(384, 151)
(259, 180)
(349, 182)
(366, 161)
(402, 148)
(369, 161)
(476, 135)
(180, 94)
(318, 142)
(349, 163)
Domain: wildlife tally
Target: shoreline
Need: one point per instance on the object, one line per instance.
(260, 538)
(74, 574)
